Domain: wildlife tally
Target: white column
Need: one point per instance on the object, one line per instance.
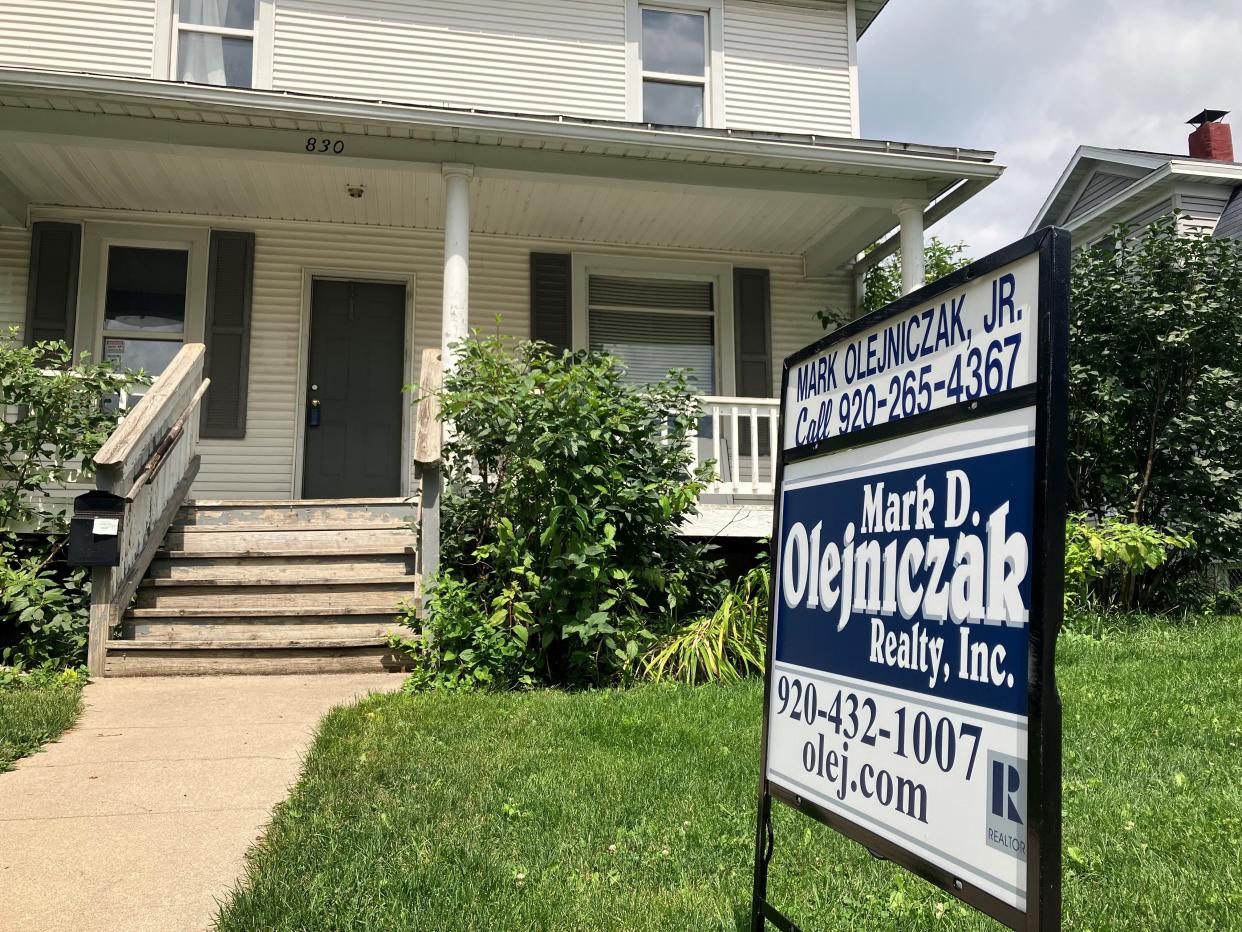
(910, 213)
(455, 316)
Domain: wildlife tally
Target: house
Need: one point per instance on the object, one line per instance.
(320, 191)
(1103, 187)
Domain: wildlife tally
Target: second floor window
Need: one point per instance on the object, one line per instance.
(674, 66)
(214, 42)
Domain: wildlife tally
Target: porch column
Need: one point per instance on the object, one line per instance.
(910, 213)
(455, 318)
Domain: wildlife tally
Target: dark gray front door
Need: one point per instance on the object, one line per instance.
(354, 398)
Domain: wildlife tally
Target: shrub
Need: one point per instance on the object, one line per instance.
(1155, 426)
(1101, 558)
(728, 645)
(55, 423)
(565, 487)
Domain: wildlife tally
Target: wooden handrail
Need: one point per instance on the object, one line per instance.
(126, 452)
(150, 460)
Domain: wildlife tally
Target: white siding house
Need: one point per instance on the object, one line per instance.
(1101, 187)
(205, 163)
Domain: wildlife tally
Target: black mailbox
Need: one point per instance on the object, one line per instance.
(95, 529)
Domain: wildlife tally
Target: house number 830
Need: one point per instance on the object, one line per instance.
(324, 144)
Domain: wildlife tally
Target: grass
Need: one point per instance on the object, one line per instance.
(635, 809)
(34, 714)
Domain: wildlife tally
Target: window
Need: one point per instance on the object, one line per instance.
(214, 42)
(655, 325)
(144, 307)
(673, 50)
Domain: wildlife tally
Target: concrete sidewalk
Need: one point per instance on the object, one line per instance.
(140, 816)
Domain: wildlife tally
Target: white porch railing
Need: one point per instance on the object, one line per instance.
(739, 434)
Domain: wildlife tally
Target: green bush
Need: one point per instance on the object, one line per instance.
(1155, 423)
(54, 424)
(1102, 559)
(726, 646)
(565, 487)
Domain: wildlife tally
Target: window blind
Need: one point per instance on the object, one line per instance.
(652, 344)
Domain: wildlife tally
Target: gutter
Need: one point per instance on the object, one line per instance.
(842, 152)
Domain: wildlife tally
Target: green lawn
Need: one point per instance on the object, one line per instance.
(31, 716)
(635, 810)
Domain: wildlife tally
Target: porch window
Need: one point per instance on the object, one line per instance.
(214, 42)
(654, 325)
(144, 307)
(674, 54)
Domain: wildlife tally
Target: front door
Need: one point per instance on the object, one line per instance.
(354, 398)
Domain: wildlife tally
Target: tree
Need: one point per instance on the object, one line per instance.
(1155, 431)
(883, 282)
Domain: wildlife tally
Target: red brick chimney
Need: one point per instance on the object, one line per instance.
(1211, 139)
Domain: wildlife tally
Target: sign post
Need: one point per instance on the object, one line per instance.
(917, 577)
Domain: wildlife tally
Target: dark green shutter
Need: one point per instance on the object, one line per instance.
(230, 284)
(752, 334)
(550, 299)
(52, 291)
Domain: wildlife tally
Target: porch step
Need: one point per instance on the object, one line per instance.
(316, 513)
(257, 630)
(133, 659)
(185, 541)
(285, 587)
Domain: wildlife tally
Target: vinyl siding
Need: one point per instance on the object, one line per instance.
(14, 269)
(1201, 212)
(1145, 217)
(1102, 187)
(103, 36)
(539, 56)
(787, 68)
(1230, 223)
(262, 464)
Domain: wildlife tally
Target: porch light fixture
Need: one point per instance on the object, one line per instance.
(355, 190)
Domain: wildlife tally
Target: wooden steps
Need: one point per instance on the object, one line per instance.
(285, 587)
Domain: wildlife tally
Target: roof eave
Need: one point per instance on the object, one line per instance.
(822, 153)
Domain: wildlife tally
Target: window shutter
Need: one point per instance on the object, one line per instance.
(52, 291)
(752, 331)
(550, 299)
(230, 283)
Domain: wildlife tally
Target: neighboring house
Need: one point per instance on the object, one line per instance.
(320, 190)
(1103, 187)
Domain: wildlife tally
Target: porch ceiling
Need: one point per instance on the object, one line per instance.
(80, 141)
(97, 177)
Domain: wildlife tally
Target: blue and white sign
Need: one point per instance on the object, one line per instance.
(906, 686)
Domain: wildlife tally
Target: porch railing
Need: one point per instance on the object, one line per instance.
(739, 434)
(149, 461)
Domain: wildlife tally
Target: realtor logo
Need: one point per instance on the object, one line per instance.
(1006, 804)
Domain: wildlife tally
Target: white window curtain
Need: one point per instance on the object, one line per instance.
(207, 58)
(654, 326)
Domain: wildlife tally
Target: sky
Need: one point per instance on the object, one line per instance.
(1034, 79)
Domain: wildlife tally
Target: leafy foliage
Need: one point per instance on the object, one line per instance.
(57, 422)
(727, 645)
(1155, 432)
(1099, 556)
(882, 284)
(54, 425)
(564, 490)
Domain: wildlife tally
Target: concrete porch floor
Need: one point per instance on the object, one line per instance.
(140, 816)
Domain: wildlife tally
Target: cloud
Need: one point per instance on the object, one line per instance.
(1034, 79)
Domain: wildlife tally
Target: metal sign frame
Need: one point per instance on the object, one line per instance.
(1048, 394)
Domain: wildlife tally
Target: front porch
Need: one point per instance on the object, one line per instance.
(710, 249)
(139, 219)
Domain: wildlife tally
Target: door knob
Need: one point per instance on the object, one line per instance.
(312, 415)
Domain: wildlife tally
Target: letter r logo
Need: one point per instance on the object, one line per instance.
(1005, 804)
(1006, 782)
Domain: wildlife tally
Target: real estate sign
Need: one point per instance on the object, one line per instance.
(917, 585)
